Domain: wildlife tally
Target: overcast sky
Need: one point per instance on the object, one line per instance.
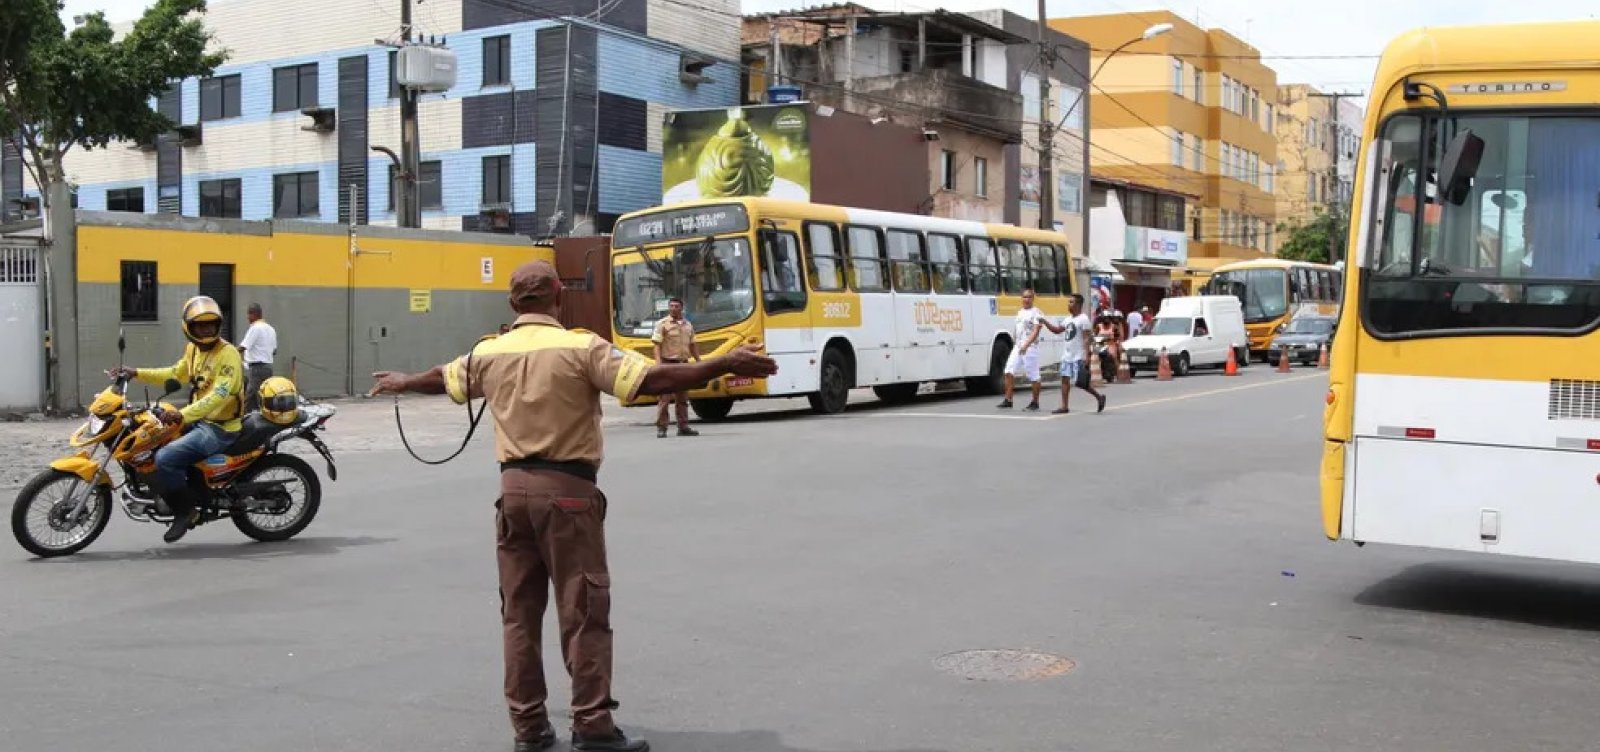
(1276, 27)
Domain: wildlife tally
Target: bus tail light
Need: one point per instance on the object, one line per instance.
(1419, 433)
(1330, 398)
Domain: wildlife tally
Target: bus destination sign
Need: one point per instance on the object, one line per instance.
(674, 224)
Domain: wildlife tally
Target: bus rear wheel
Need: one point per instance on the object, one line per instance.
(995, 382)
(833, 388)
(711, 410)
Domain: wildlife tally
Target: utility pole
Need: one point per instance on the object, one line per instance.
(1047, 131)
(1335, 205)
(406, 203)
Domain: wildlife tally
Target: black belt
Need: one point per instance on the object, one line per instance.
(574, 468)
(674, 360)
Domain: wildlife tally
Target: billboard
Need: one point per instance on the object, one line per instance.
(739, 151)
(1161, 246)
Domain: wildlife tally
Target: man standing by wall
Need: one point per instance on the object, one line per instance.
(260, 346)
(674, 343)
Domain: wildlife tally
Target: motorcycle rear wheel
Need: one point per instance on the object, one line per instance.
(82, 534)
(302, 511)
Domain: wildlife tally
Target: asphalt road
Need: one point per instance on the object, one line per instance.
(786, 583)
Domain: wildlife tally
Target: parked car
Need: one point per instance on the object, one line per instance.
(1195, 331)
(1304, 337)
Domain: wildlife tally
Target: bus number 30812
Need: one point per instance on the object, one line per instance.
(836, 310)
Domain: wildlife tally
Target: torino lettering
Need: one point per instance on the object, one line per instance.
(930, 314)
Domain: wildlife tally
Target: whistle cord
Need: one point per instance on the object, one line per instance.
(472, 421)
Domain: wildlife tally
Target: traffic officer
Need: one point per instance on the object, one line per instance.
(543, 384)
(674, 343)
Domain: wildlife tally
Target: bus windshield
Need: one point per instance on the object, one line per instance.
(1516, 246)
(1262, 292)
(712, 276)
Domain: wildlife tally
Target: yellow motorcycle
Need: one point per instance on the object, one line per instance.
(269, 495)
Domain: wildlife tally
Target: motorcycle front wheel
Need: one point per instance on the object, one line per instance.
(302, 497)
(45, 522)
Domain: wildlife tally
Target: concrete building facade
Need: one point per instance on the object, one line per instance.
(553, 125)
(1188, 112)
(1318, 137)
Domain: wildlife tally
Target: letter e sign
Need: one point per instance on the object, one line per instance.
(486, 270)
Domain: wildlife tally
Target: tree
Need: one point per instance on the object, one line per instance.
(1312, 241)
(86, 88)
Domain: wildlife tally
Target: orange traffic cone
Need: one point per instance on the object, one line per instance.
(1232, 367)
(1124, 374)
(1322, 356)
(1283, 360)
(1163, 368)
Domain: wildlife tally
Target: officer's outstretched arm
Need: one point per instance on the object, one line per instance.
(668, 378)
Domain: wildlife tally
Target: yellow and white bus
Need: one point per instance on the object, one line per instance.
(1273, 291)
(1464, 406)
(840, 297)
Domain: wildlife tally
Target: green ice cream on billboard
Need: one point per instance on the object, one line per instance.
(740, 151)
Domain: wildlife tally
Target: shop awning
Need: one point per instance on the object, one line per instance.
(1142, 268)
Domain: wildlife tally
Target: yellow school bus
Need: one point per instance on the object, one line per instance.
(1273, 291)
(840, 297)
(1464, 406)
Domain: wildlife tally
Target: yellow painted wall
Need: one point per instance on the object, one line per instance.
(300, 259)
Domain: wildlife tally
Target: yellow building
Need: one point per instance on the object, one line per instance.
(1190, 111)
(1307, 156)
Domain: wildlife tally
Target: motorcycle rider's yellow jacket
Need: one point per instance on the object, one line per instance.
(216, 382)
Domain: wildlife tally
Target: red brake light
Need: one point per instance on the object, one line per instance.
(1419, 433)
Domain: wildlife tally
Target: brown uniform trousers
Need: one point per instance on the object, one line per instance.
(550, 528)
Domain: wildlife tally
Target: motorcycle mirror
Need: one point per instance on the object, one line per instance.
(122, 341)
(172, 386)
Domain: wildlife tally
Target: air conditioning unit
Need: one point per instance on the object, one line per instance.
(425, 68)
(323, 119)
(690, 67)
(190, 135)
(495, 217)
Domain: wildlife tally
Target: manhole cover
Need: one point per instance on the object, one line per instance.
(1003, 665)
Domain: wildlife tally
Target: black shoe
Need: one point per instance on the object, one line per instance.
(687, 431)
(180, 527)
(1004, 405)
(1102, 407)
(545, 740)
(1033, 406)
(661, 432)
(618, 743)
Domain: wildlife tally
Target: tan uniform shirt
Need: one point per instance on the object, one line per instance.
(543, 384)
(674, 337)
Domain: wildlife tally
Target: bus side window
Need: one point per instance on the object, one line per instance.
(944, 256)
(981, 269)
(1063, 269)
(824, 261)
(1337, 278)
(1014, 266)
(906, 258)
(866, 259)
(781, 287)
(1046, 274)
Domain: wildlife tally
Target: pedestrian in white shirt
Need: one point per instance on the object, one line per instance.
(1075, 357)
(260, 346)
(1024, 358)
(1135, 323)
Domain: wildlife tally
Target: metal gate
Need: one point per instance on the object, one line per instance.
(21, 329)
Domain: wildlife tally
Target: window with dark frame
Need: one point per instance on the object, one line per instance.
(910, 273)
(125, 200)
(1044, 276)
(430, 185)
(497, 179)
(982, 273)
(295, 195)
(782, 288)
(947, 170)
(497, 60)
(219, 97)
(221, 198)
(824, 265)
(294, 87)
(1014, 266)
(139, 287)
(944, 260)
(867, 272)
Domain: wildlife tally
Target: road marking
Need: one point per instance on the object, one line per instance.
(1207, 393)
(1076, 413)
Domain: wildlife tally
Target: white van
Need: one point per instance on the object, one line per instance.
(1196, 331)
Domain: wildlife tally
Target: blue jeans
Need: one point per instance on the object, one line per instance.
(174, 460)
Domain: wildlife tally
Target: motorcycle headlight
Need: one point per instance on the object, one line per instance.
(94, 425)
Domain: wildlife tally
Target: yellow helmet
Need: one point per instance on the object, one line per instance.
(201, 309)
(280, 401)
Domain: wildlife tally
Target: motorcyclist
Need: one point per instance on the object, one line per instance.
(214, 372)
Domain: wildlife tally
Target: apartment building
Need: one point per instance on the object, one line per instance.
(1318, 137)
(1188, 111)
(553, 125)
